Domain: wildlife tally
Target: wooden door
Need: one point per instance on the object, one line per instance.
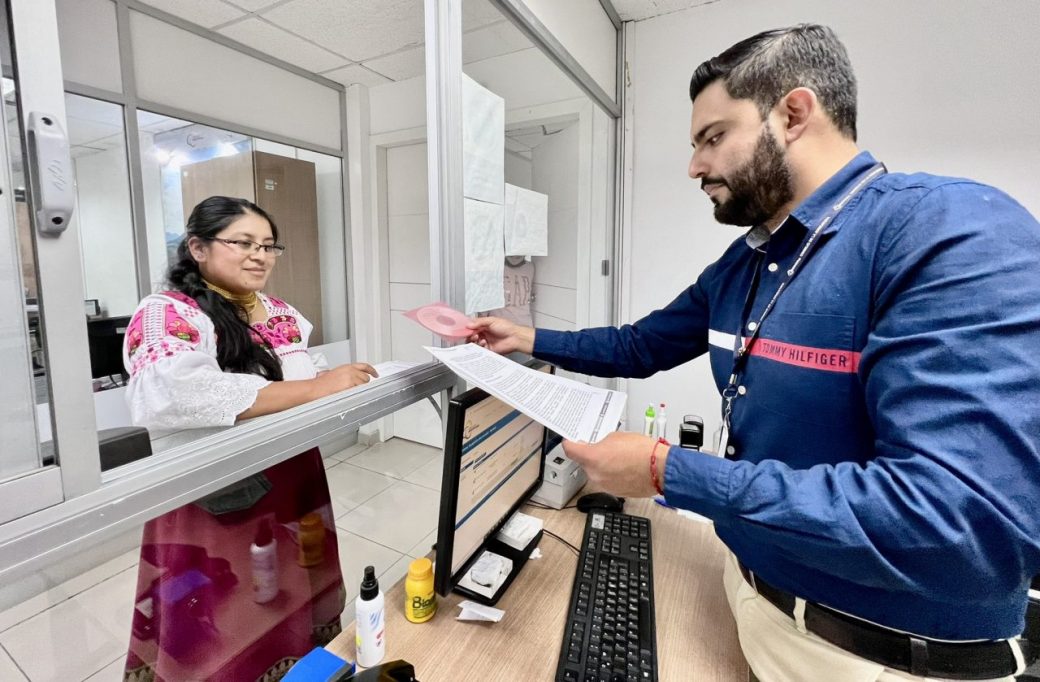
(287, 190)
(228, 176)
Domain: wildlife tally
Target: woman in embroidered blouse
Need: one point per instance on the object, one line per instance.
(210, 351)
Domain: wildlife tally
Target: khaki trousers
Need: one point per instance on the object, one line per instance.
(778, 651)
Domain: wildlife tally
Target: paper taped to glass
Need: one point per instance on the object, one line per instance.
(574, 410)
(485, 257)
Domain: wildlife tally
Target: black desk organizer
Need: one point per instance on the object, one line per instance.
(519, 558)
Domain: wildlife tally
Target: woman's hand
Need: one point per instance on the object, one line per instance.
(501, 336)
(281, 395)
(345, 376)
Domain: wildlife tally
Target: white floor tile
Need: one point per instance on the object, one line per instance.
(31, 607)
(396, 457)
(113, 672)
(351, 485)
(344, 455)
(423, 547)
(348, 616)
(63, 643)
(9, 672)
(112, 603)
(392, 575)
(101, 573)
(398, 517)
(429, 475)
(356, 552)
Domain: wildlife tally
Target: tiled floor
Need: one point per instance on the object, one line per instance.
(385, 500)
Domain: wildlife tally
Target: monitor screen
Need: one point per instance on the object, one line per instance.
(492, 463)
(105, 336)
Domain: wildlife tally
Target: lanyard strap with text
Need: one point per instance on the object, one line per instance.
(742, 350)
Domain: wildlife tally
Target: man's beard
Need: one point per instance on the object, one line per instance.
(758, 189)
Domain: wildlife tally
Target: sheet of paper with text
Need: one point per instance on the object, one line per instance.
(574, 410)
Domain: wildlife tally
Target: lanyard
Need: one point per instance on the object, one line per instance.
(742, 349)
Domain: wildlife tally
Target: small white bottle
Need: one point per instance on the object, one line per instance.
(661, 425)
(264, 555)
(370, 620)
(648, 420)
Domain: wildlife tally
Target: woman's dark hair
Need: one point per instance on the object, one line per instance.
(236, 349)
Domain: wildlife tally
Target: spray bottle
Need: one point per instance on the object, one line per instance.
(370, 623)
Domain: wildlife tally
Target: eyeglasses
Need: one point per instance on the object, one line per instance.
(248, 248)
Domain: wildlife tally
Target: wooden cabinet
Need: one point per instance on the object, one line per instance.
(286, 189)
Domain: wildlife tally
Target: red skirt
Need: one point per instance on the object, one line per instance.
(195, 617)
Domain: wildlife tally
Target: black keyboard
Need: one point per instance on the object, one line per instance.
(610, 634)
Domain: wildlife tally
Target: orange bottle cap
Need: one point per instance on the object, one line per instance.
(310, 521)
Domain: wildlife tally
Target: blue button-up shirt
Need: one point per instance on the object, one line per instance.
(888, 430)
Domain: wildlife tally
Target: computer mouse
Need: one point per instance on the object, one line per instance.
(604, 501)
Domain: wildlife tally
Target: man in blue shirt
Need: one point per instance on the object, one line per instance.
(876, 340)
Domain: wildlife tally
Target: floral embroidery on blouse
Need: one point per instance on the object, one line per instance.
(279, 330)
(160, 330)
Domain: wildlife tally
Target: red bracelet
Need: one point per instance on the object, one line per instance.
(653, 466)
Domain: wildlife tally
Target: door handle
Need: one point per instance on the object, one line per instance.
(53, 185)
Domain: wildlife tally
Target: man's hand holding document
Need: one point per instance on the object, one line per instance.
(576, 411)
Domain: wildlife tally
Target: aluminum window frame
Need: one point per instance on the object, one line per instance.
(92, 511)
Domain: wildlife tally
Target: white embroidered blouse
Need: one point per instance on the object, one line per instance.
(170, 352)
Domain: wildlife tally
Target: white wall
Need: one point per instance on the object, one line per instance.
(178, 68)
(523, 79)
(945, 87)
(518, 170)
(585, 31)
(88, 42)
(554, 171)
(331, 243)
(406, 221)
(103, 219)
(151, 194)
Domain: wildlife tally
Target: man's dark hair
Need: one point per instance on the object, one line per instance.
(768, 65)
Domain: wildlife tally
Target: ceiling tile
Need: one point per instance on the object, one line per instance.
(355, 73)
(477, 13)
(637, 10)
(252, 5)
(400, 66)
(492, 41)
(82, 131)
(155, 123)
(78, 150)
(262, 36)
(89, 109)
(358, 30)
(208, 13)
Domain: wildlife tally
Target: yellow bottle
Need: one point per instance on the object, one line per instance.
(312, 540)
(420, 599)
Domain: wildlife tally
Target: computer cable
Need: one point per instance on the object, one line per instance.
(554, 535)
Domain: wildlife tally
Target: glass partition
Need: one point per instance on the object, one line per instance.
(555, 163)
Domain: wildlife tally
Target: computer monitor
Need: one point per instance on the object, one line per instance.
(105, 338)
(493, 459)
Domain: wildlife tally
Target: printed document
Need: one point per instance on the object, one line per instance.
(576, 411)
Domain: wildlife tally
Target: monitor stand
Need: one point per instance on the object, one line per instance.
(519, 558)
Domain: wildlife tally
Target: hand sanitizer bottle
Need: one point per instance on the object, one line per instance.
(264, 556)
(661, 426)
(648, 420)
(370, 620)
